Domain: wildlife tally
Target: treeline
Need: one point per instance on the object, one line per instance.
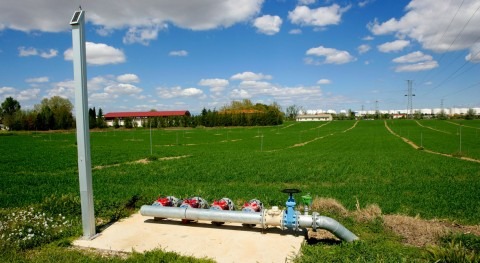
(242, 113)
(210, 118)
(51, 114)
(56, 113)
(237, 113)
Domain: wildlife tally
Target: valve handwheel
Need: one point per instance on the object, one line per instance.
(291, 191)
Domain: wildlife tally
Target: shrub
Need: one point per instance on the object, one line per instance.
(452, 252)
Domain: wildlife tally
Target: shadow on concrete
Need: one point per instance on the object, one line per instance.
(228, 227)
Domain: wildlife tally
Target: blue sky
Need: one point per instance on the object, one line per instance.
(187, 55)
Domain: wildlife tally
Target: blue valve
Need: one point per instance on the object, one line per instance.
(290, 215)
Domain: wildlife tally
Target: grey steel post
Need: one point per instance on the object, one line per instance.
(82, 120)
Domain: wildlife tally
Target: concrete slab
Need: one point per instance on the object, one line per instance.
(227, 243)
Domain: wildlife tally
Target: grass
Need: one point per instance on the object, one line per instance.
(365, 164)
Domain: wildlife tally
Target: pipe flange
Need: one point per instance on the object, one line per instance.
(314, 223)
(263, 219)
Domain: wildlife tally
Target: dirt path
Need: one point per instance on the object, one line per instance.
(458, 124)
(416, 147)
(354, 125)
(318, 138)
(433, 129)
(141, 161)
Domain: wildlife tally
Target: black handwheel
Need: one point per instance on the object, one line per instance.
(291, 191)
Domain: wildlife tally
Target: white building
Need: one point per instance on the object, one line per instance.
(315, 117)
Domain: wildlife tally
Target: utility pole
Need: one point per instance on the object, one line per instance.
(409, 96)
(83, 132)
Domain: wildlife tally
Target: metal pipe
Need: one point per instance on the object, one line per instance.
(201, 214)
(316, 221)
(273, 217)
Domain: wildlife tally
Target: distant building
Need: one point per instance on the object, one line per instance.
(140, 115)
(315, 117)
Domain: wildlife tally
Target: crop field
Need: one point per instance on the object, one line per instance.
(354, 162)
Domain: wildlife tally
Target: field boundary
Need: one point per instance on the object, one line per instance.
(458, 124)
(141, 161)
(416, 147)
(318, 138)
(433, 129)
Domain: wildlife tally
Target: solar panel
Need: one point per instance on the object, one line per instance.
(76, 17)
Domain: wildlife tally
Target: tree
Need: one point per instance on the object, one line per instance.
(57, 113)
(116, 123)
(418, 115)
(128, 123)
(100, 120)
(471, 114)
(92, 118)
(9, 108)
(292, 111)
(442, 115)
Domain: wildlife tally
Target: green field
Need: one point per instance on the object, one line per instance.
(344, 160)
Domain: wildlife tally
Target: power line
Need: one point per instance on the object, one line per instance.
(445, 31)
(456, 37)
(451, 76)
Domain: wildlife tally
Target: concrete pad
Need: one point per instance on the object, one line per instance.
(227, 243)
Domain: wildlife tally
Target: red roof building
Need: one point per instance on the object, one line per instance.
(137, 116)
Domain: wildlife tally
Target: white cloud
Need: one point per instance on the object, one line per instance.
(247, 75)
(365, 3)
(415, 61)
(118, 14)
(123, 88)
(368, 38)
(128, 78)
(413, 57)
(267, 24)
(100, 82)
(253, 84)
(101, 97)
(29, 94)
(50, 54)
(178, 53)
(393, 46)
(64, 89)
(213, 82)
(306, 2)
(20, 95)
(324, 82)
(7, 92)
(421, 66)
(322, 16)
(331, 55)
(31, 51)
(142, 35)
(25, 52)
(427, 21)
(99, 54)
(474, 55)
(175, 92)
(216, 85)
(240, 94)
(37, 80)
(104, 32)
(364, 48)
(295, 31)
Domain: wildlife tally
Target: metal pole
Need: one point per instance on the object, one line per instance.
(460, 139)
(151, 149)
(82, 120)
